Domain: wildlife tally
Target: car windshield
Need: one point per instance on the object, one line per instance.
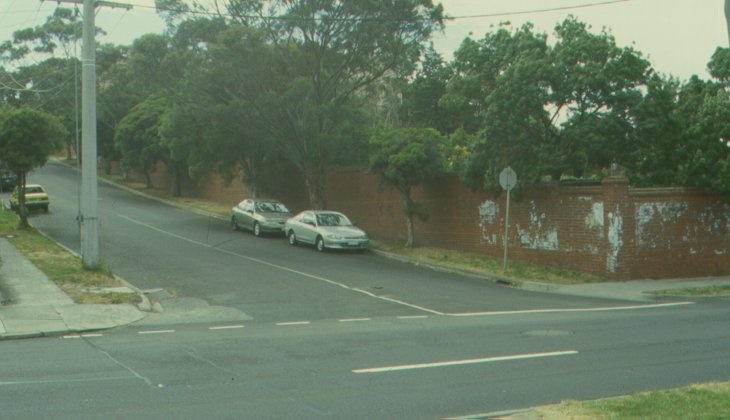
(271, 207)
(332, 219)
(33, 190)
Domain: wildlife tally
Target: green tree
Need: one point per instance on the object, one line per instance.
(405, 158)
(706, 107)
(422, 95)
(138, 137)
(49, 85)
(546, 111)
(218, 120)
(596, 85)
(661, 145)
(114, 99)
(60, 31)
(27, 138)
(719, 65)
(512, 72)
(328, 52)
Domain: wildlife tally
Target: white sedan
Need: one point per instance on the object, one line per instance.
(325, 230)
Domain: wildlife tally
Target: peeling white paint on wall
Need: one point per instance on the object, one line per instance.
(488, 212)
(594, 219)
(536, 235)
(615, 239)
(664, 213)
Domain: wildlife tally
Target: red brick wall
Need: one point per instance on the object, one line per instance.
(609, 230)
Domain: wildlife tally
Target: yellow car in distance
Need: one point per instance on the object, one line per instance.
(35, 198)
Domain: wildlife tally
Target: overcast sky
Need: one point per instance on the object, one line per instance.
(678, 36)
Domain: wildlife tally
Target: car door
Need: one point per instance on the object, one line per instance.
(238, 213)
(247, 214)
(307, 230)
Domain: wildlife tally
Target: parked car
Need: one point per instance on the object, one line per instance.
(35, 198)
(259, 216)
(325, 230)
(8, 179)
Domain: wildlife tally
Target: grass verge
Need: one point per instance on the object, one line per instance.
(487, 264)
(705, 401)
(697, 291)
(63, 267)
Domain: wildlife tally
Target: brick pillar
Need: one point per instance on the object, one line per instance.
(620, 228)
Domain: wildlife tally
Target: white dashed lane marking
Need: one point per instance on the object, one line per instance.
(355, 319)
(82, 335)
(465, 362)
(156, 332)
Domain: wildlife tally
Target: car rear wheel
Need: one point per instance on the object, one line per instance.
(234, 223)
(256, 229)
(319, 244)
(292, 238)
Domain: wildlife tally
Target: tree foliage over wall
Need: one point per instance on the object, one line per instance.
(248, 88)
(404, 159)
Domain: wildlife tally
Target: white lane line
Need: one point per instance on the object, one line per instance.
(354, 319)
(599, 309)
(285, 324)
(82, 335)
(280, 267)
(466, 361)
(156, 332)
(226, 327)
(400, 302)
(413, 317)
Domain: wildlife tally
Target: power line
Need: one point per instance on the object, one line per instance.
(527, 12)
(356, 19)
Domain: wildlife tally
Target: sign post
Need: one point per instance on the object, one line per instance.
(507, 180)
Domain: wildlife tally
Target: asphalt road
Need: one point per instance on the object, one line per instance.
(153, 245)
(259, 329)
(435, 367)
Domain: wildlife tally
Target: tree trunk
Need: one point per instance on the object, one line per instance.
(22, 210)
(410, 241)
(175, 188)
(408, 209)
(315, 187)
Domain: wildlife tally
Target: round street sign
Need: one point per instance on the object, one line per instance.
(507, 178)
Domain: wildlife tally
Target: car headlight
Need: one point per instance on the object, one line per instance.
(335, 237)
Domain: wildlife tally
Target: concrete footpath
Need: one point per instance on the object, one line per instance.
(33, 306)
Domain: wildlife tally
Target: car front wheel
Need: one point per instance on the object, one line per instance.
(292, 238)
(256, 229)
(319, 244)
(234, 223)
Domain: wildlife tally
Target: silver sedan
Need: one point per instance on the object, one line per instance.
(259, 216)
(325, 230)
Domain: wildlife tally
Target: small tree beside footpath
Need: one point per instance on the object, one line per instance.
(405, 158)
(27, 138)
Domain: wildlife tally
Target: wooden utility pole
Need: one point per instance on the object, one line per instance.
(88, 217)
(727, 20)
